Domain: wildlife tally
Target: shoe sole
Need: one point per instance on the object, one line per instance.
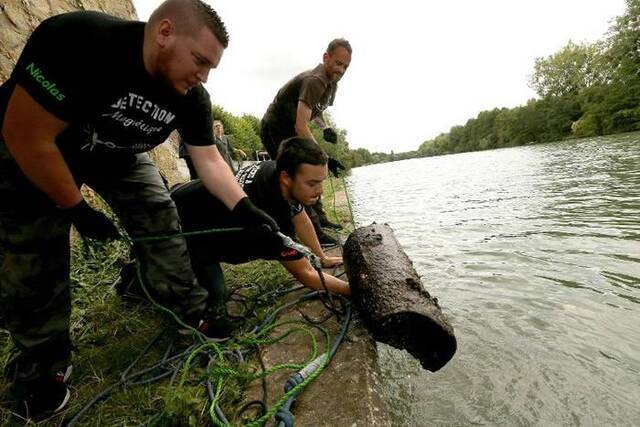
(51, 413)
(64, 402)
(65, 377)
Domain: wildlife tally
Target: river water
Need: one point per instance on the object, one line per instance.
(534, 254)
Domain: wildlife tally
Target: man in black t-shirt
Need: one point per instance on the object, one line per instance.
(280, 188)
(302, 100)
(89, 95)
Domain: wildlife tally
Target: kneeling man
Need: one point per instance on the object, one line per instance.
(281, 188)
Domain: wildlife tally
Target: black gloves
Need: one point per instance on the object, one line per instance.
(251, 216)
(91, 223)
(334, 166)
(330, 135)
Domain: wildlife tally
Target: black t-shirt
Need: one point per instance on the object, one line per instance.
(87, 69)
(312, 87)
(260, 182)
(200, 210)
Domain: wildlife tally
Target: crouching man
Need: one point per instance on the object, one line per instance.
(281, 188)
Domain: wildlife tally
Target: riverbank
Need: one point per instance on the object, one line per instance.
(110, 335)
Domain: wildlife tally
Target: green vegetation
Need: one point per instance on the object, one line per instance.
(244, 130)
(109, 334)
(245, 134)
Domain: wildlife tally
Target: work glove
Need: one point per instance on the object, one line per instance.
(330, 135)
(334, 166)
(91, 223)
(251, 216)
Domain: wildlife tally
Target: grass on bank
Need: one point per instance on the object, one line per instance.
(108, 335)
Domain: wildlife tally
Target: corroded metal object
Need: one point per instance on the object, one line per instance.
(391, 299)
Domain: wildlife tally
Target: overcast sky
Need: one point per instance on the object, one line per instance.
(418, 67)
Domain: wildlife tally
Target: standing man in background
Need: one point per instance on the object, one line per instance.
(227, 151)
(224, 147)
(89, 95)
(302, 100)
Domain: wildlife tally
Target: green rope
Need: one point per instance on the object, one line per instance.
(259, 339)
(274, 409)
(183, 234)
(346, 193)
(335, 213)
(298, 388)
(344, 186)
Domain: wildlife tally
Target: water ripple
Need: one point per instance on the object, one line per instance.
(534, 254)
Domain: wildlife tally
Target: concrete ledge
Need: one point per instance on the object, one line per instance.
(348, 392)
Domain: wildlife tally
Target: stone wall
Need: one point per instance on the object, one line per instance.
(18, 18)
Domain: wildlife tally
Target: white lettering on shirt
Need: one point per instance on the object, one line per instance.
(134, 101)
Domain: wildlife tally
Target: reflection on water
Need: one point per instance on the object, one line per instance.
(534, 253)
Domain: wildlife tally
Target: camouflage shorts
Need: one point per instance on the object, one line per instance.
(35, 253)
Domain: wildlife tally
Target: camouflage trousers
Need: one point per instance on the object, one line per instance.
(35, 256)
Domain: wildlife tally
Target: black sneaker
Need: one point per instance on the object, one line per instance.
(45, 397)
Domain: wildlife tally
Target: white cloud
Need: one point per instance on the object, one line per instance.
(418, 68)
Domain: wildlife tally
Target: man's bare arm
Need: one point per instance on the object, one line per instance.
(303, 117)
(306, 233)
(303, 271)
(30, 132)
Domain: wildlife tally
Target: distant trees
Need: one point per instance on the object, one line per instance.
(361, 157)
(571, 70)
(245, 135)
(244, 130)
(623, 44)
(614, 106)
